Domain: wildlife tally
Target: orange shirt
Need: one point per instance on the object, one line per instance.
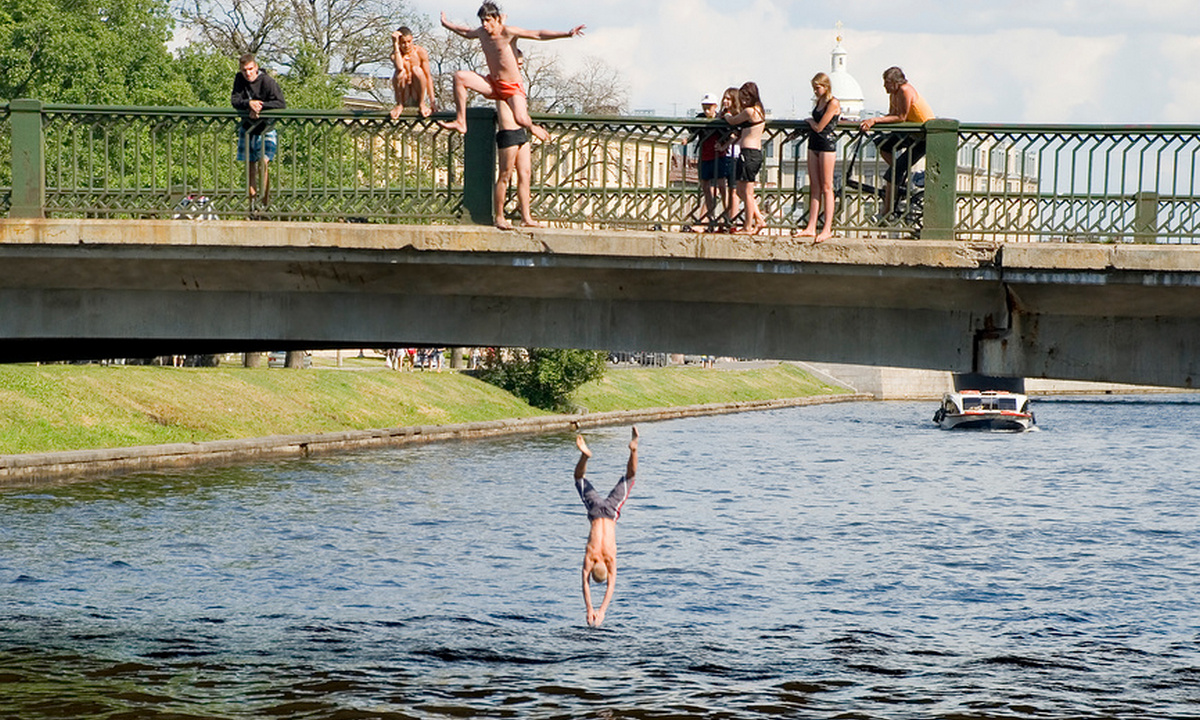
(919, 111)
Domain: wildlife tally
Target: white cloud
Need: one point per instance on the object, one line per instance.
(1181, 101)
(1074, 61)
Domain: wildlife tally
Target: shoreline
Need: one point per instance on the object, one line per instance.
(34, 470)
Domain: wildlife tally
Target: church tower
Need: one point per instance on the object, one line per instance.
(845, 88)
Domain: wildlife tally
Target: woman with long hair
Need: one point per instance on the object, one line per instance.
(822, 152)
(727, 161)
(750, 121)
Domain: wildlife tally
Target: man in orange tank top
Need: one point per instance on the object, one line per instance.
(899, 150)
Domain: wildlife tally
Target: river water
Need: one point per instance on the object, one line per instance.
(841, 561)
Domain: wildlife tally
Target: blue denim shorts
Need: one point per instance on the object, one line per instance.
(260, 145)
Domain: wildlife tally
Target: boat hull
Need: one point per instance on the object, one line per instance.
(986, 421)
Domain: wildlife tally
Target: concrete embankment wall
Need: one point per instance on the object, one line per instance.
(892, 383)
(35, 469)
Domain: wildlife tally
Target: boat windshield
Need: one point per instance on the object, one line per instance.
(988, 402)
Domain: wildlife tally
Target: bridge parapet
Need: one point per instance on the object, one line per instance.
(975, 182)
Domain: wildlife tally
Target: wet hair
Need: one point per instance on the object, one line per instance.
(750, 88)
(404, 30)
(599, 573)
(894, 75)
(246, 59)
(488, 9)
(731, 101)
(821, 80)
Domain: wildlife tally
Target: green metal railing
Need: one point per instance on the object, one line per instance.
(971, 182)
(143, 162)
(5, 167)
(1072, 183)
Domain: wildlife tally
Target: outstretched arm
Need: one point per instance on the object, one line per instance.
(898, 107)
(457, 29)
(631, 466)
(598, 616)
(587, 591)
(545, 34)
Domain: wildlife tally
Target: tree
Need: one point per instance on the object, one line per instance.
(208, 72)
(449, 53)
(307, 85)
(99, 52)
(595, 89)
(347, 34)
(545, 378)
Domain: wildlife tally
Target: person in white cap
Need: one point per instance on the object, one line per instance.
(709, 140)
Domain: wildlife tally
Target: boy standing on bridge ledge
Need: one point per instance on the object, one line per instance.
(503, 81)
(600, 555)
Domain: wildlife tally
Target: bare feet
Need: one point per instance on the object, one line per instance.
(456, 124)
(425, 111)
(806, 232)
(395, 112)
(634, 441)
(530, 222)
(503, 223)
(825, 235)
(583, 448)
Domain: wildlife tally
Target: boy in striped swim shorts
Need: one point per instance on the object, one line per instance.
(600, 555)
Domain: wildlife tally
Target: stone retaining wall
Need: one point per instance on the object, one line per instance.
(35, 469)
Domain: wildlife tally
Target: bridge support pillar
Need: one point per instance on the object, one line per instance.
(941, 179)
(28, 166)
(1145, 218)
(479, 164)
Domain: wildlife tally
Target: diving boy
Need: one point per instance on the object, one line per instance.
(503, 81)
(600, 554)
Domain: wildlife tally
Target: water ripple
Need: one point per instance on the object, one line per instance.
(826, 562)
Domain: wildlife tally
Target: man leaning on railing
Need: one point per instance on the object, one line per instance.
(899, 151)
(253, 92)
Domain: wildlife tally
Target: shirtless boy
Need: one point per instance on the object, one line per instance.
(514, 154)
(503, 81)
(412, 80)
(600, 555)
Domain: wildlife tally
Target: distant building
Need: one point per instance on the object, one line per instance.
(845, 88)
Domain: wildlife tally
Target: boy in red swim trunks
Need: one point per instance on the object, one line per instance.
(503, 81)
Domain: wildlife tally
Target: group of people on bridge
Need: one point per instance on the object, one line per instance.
(731, 155)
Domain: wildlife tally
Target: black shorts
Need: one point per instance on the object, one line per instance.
(906, 150)
(749, 163)
(708, 169)
(511, 138)
(609, 507)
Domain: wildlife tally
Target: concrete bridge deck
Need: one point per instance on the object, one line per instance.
(111, 288)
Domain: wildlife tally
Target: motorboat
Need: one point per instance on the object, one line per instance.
(984, 410)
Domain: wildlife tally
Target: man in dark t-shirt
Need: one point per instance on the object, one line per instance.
(253, 92)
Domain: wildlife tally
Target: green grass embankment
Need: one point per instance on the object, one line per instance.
(637, 388)
(64, 407)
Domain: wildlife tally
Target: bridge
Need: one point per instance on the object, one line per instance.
(1023, 251)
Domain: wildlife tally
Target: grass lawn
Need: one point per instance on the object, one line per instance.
(74, 407)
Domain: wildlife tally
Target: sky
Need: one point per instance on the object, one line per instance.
(983, 61)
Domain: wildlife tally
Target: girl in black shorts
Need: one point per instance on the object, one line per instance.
(822, 152)
(750, 121)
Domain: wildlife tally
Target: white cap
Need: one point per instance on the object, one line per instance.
(709, 99)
